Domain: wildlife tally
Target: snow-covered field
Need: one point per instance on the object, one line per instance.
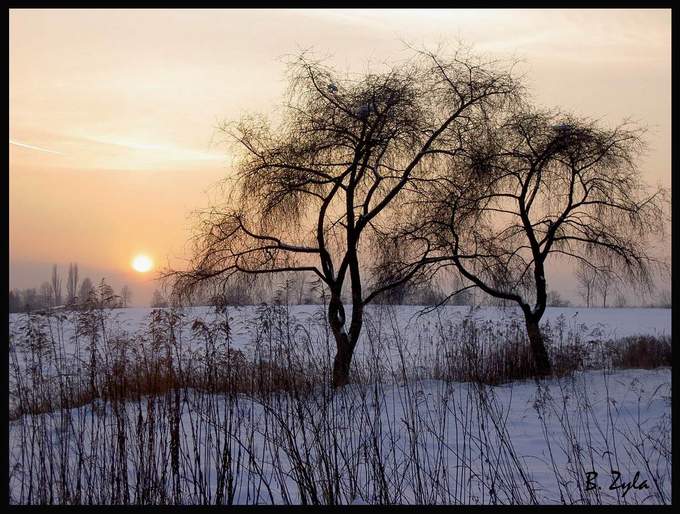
(610, 322)
(415, 325)
(397, 440)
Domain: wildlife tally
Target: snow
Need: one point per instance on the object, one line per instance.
(608, 323)
(592, 423)
(432, 441)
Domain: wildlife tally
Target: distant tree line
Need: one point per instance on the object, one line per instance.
(304, 289)
(78, 294)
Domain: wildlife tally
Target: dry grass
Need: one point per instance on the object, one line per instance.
(645, 352)
(132, 368)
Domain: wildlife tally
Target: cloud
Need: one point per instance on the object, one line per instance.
(31, 147)
(169, 152)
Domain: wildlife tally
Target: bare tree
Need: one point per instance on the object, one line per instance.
(312, 192)
(15, 301)
(31, 298)
(533, 184)
(299, 284)
(158, 301)
(85, 291)
(46, 295)
(125, 296)
(106, 297)
(604, 283)
(621, 300)
(665, 299)
(587, 277)
(555, 299)
(72, 283)
(56, 285)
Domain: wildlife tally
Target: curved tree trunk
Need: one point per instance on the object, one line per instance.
(343, 342)
(342, 362)
(537, 344)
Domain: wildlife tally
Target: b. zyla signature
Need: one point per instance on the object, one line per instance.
(616, 482)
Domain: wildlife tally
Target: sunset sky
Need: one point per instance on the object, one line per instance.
(113, 112)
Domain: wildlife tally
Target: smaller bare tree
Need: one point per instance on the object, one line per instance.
(56, 285)
(107, 298)
(125, 296)
(555, 299)
(72, 283)
(665, 299)
(158, 301)
(526, 186)
(621, 300)
(587, 278)
(85, 291)
(46, 295)
(605, 280)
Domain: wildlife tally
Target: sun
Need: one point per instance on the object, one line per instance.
(142, 263)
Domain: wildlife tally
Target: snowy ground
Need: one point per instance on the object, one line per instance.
(413, 441)
(538, 446)
(612, 323)
(414, 325)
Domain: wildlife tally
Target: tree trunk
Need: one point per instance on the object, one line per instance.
(540, 354)
(341, 363)
(344, 344)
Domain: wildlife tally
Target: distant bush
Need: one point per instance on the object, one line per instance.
(555, 299)
(646, 352)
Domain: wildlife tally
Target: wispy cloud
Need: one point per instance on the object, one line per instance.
(168, 151)
(32, 147)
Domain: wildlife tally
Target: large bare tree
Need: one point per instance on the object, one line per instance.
(312, 191)
(530, 185)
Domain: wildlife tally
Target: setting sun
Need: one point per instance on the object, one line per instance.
(142, 263)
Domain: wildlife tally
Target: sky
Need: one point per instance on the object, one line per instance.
(113, 113)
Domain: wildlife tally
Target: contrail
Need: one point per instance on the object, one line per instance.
(33, 147)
